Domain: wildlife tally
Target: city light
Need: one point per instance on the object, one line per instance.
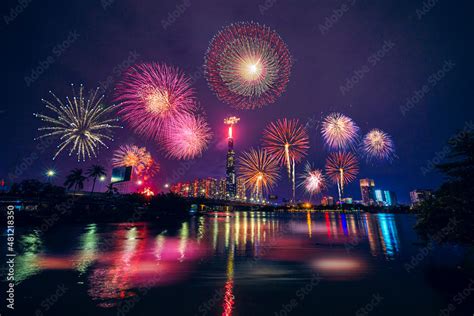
(50, 173)
(102, 178)
(231, 121)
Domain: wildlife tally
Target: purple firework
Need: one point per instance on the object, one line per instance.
(151, 94)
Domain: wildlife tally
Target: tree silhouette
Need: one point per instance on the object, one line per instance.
(75, 179)
(94, 172)
(454, 200)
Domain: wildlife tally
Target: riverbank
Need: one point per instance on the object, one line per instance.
(53, 209)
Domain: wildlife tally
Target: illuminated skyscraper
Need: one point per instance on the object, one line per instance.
(379, 197)
(367, 191)
(231, 179)
(385, 198)
(390, 198)
(221, 188)
(241, 192)
(327, 201)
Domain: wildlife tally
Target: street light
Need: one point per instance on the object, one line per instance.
(102, 178)
(50, 174)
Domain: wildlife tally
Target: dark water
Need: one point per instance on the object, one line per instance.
(247, 263)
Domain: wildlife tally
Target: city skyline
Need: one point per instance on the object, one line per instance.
(253, 157)
(372, 101)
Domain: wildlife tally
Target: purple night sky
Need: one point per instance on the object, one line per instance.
(87, 41)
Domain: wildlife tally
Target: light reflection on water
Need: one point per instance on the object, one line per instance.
(121, 258)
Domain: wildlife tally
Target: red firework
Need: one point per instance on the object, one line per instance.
(150, 94)
(186, 137)
(247, 65)
(286, 140)
(342, 167)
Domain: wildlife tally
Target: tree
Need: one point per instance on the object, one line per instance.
(75, 179)
(454, 200)
(94, 172)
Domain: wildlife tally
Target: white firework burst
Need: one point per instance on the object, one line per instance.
(81, 124)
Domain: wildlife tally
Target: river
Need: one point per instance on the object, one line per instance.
(242, 263)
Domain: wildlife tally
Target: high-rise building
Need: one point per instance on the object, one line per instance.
(418, 196)
(390, 198)
(385, 197)
(221, 188)
(231, 178)
(181, 188)
(204, 188)
(241, 192)
(378, 197)
(367, 191)
(327, 201)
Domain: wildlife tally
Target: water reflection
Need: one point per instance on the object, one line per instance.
(118, 260)
(27, 262)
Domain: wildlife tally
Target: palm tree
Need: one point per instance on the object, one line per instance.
(75, 179)
(95, 171)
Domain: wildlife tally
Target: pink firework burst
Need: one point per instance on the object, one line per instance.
(150, 94)
(247, 65)
(313, 179)
(186, 137)
(378, 145)
(339, 131)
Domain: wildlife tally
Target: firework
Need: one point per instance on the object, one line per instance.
(151, 94)
(137, 157)
(378, 145)
(313, 179)
(342, 168)
(259, 170)
(287, 141)
(247, 65)
(82, 124)
(186, 137)
(339, 131)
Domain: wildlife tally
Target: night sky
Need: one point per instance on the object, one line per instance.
(87, 41)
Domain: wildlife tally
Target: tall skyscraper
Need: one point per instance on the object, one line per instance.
(390, 198)
(221, 188)
(379, 197)
(327, 201)
(241, 192)
(367, 191)
(231, 179)
(385, 198)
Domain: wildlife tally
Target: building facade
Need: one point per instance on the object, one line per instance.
(385, 198)
(209, 188)
(327, 201)
(367, 187)
(241, 191)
